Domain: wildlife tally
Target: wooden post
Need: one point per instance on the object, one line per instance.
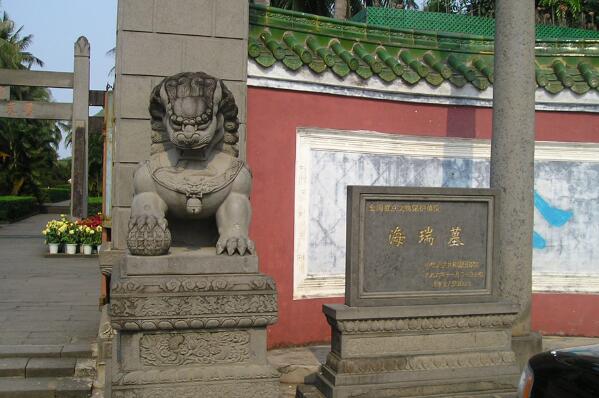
(80, 129)
(4, 93)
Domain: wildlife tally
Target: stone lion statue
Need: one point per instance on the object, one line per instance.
(194, 172)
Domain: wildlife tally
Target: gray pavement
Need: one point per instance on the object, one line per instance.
(44, 301)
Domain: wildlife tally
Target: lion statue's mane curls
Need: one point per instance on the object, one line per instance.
(206, 86)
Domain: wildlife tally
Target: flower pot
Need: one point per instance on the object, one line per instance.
(71, 248)
(87, 249)
(98, 248)
(53, 248)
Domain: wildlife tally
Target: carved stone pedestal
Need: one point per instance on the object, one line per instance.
(420, 351)
(192, 324)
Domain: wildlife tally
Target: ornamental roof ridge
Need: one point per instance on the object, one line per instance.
(299, 40)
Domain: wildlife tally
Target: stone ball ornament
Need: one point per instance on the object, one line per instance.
(194, 172)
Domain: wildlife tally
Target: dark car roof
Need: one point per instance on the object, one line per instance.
(586, 357)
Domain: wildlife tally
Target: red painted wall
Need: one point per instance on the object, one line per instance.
(273, 118)
(566, 314)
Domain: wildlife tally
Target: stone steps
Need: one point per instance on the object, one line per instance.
(49, 371)
(45, 387)
(46, 351)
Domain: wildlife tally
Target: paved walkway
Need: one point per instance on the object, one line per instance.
(44, 301)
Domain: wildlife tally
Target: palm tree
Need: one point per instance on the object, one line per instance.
(13, 54)
(29, 146)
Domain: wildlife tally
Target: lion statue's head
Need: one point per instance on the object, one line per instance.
(194, 110)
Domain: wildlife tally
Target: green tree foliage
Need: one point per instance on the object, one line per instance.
(95, 163)
(572, 13)
(13, 47)
(318, 7)
(31, 146)
(481, 8)
(28, 148)
(327, 7)
(95, 156)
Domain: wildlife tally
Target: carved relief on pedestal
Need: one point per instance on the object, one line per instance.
(175, 306)
(421, 362)
(244, 374)
(191, 285)
(195, 348)
(234, 390)
(423, 323)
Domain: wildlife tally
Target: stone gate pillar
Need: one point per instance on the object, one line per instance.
(512, 159)
(192, 321)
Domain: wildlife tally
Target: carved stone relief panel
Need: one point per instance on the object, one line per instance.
(195, 348)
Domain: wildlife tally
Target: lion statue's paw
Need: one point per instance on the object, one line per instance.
(148, 235)
(230, 245)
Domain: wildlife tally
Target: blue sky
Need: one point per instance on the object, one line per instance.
(56, 25)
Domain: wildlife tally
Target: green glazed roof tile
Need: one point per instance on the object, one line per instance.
(410, 77)
(434, 78)
(298, 40)
(541, 76)
(341, 69)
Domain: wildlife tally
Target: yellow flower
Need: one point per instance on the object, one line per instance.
(71, 232)
(45, 232)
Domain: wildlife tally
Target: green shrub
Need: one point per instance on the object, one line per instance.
(94, 205)
(16, 207)
(53, 195)
(63, 186)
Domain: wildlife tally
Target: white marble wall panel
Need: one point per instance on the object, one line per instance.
(566, 237)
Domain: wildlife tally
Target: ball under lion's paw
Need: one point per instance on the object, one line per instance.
(148, 236)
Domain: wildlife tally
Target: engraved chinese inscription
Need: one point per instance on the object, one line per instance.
(426, 236)
(455, 239)
(413, 245)
(397, 237)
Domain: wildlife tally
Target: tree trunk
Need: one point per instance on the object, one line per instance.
(17, 185)
(341, 9)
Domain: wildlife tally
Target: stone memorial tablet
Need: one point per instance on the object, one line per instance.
(423, 315)
(419, 244)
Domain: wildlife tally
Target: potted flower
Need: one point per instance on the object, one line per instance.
(71, 238)
(91, 230)
(53, 235)
(87, 239)
(98, 238)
